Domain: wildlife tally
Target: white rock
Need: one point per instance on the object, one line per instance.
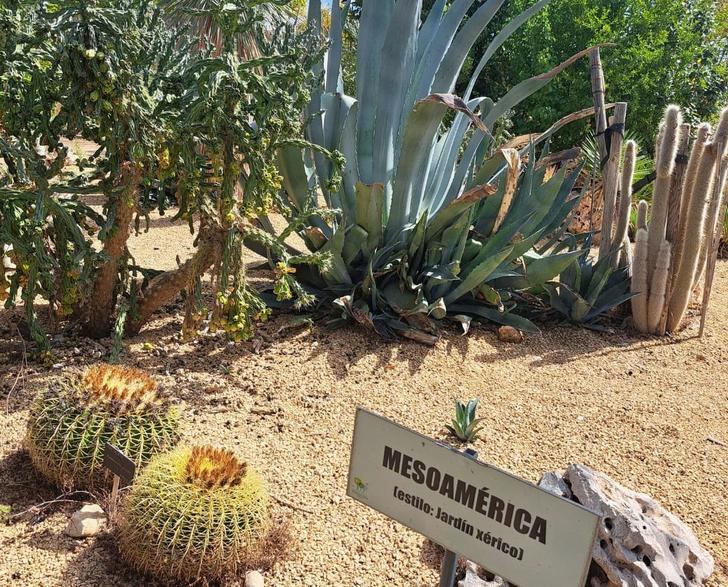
(639, 543)
(473, 578)
(253, 579)
(88, 521)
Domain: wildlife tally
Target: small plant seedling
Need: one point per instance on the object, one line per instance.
(465, 424)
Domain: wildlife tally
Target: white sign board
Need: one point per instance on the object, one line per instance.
(505, 524)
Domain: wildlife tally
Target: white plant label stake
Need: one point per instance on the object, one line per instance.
(505, 524)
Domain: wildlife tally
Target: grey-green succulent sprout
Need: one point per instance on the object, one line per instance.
(465, 425)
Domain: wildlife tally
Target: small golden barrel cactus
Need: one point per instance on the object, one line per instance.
(195, 513)
(73, 420)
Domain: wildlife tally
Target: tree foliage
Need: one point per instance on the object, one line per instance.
(665, 51)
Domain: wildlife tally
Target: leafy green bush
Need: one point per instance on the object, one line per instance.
(164, 109)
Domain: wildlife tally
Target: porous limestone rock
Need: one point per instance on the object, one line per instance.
(639, 543)
(473, 578)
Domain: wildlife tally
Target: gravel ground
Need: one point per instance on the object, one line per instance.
(640, 409)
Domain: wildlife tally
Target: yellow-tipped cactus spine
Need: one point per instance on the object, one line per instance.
(665, 163)
(658, 288)
(71, 422)
(195, 514)
(639, 281)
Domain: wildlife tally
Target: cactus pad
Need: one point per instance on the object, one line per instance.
(195, 513)
(71, 422)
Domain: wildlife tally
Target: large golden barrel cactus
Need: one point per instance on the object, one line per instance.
(195, 513)
(72, 421)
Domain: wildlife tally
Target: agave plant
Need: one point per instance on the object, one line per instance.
(430, 222)
(587, 290)
(465, 424)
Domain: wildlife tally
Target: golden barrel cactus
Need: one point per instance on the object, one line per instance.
(72, 421)
(196, 513)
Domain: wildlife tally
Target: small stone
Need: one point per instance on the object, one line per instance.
(554, 483)
(510, 334)
(88, 521)
(253, 579)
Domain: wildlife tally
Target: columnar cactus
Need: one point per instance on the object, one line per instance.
(689, 183)
(625, 199)
(695, 220)
(665, 163)
(711, 222)
(658, 288)
(195, 514)
(688, 203)
(72, 421)
(642, 209)
(639, 281)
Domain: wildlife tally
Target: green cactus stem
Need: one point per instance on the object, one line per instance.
(72, 421)
(639, 281)
(196, 514)
(658, 288)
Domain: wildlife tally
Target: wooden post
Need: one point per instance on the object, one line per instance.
(598, 95)
(114, 494)
(610, 178)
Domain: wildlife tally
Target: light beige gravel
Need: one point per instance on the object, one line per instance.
(640, 409)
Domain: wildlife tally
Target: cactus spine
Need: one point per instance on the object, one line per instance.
(639, 281)
(658, 288)
(665, 163)
(695, 220)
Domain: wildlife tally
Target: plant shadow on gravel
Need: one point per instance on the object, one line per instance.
(99, 563)
(21, 486)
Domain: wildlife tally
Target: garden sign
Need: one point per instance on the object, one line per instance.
(505, 524)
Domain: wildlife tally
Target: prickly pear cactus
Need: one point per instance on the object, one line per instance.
(71, 422)
(195, 514)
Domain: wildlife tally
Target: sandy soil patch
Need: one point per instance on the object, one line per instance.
(639, 409)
